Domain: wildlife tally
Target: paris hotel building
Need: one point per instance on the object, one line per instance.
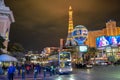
(110, 30)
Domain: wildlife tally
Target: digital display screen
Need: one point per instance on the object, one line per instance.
(83, 48)
(107, 40)
(102, 41)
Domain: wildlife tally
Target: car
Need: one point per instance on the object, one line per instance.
(101, 62)
(80, 65)
(117, 62)
(89, 65)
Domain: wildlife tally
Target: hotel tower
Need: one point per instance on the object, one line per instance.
(6, 18)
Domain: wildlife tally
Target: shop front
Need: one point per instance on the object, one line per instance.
(113, 51)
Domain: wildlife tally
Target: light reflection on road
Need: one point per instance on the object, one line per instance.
(67, 77)
(88, 71)
(97, 73)
(72, 77)
(59, 78)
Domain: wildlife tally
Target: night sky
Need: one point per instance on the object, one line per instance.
(41, 23)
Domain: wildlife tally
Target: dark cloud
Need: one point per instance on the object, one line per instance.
(41, 23)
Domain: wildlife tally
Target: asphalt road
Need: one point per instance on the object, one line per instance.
(96, 73)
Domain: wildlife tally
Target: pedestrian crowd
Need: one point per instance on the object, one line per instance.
(26, 69)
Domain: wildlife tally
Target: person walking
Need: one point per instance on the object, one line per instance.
(23, 72)
(1, 70)
(44, 73)
(51, 70)
(38, 68)
(28, 69)
(18, 69)
(11, 70)
(35, 72)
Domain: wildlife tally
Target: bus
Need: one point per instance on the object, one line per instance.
(64, 62)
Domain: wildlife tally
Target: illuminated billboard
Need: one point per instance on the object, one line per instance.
(83, 48)
(118, 39)
(103, 41)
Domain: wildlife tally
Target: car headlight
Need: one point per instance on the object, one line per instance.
(60, 70)
(71, 69)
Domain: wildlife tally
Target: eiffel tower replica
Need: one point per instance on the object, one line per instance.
(70, 41)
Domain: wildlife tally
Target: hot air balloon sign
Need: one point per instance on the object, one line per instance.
(80, 34)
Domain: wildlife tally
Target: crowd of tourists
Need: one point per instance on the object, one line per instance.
(26, 69)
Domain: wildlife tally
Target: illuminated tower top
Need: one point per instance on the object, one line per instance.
(70, 26)
(70, 41)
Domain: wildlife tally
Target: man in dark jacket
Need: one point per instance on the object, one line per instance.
(11, 70)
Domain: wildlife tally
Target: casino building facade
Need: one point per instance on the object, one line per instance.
(111, 30)
(110, 36)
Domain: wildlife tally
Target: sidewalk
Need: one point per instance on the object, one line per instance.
(31, 77)
(28, 77)
(3, 77)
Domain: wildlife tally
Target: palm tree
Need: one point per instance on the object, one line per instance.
(92, 52)
(16, 50)
(15, 47)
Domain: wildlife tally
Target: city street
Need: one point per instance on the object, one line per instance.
(97, 73)
(41, 39)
